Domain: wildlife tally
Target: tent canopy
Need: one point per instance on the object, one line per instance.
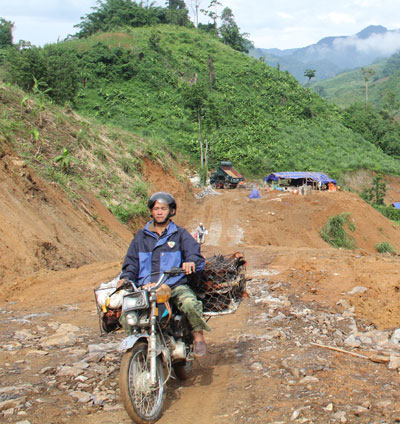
(396, 205)
(313, 176)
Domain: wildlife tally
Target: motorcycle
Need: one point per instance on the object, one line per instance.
(159, 341)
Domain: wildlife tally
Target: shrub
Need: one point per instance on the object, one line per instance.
(125, 213)
(334, 233)
(385, 247)
(375, 194)
(389, 212)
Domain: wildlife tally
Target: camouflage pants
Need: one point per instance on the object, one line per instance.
(187, 302)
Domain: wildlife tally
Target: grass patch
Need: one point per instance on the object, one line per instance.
(385, 247)
(333, 232)
(125, 213)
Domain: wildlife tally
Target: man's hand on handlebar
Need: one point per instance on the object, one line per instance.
(188, 267)
(123, 284)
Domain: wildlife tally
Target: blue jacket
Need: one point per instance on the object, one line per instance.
(149, 252)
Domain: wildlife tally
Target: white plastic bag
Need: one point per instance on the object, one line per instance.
(104, 291)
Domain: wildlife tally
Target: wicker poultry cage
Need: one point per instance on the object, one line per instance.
(222, 284)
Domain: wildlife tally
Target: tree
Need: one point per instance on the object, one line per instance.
(195, 98)
(309, 73)
(211, 12)
(195, 6)
(112, 14)
(177, 13)
(376, 194)
(230, 33)
(54, 66)
(391, 105)
(367, 74)
(6, 28)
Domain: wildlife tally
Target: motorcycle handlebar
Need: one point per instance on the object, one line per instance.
(174, 272)
(164, 276)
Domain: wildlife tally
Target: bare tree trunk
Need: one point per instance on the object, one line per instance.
(195, 6)
(200, 139)
(206, 153)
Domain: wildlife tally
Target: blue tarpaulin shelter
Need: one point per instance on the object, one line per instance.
(312, 176)
(396, 205)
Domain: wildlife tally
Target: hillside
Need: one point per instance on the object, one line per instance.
(349, 87)
(77, 155)
(162, 82)
(252, 114)
(333, 55)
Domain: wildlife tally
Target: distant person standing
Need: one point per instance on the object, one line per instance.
(201, 233)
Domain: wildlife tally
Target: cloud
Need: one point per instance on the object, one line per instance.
(53, 9)
(340, 18)
(387, 43)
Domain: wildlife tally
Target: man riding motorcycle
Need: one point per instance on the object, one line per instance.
(162, 245)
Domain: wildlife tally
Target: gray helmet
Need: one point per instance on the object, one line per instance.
(163, 197)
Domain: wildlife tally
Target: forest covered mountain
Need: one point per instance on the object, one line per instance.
(333, 55)
(350, 87)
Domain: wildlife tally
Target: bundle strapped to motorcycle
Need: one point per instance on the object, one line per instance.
(222, 284)
(109, 306)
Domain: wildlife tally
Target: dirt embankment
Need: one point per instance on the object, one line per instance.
(42, 230)
(262, 365)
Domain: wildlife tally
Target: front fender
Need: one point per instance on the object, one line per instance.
(130, 341)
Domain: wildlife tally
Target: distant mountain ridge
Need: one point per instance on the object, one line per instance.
(333, 55)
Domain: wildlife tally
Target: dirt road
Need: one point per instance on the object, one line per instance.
(271, 362)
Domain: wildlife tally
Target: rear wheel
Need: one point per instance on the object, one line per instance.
(143, 402)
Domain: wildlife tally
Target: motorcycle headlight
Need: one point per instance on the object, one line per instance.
(134, 301)
(132, 319)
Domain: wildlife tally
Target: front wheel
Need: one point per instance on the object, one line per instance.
(143, 402)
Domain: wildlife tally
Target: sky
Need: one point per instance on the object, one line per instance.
(279, 24)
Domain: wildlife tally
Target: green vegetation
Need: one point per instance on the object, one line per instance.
(377, 85)
(373, 125)
(164, 89)
(65, 160)
(112, 14)
(375, 196)
(385, 247)
(348, 88)
(79, 153)
(6, 38)
(389, 211)
(230, 33)
(376, 193)
(334, 233)
(143, 80)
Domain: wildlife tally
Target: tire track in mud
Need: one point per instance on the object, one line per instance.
(218, 221)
